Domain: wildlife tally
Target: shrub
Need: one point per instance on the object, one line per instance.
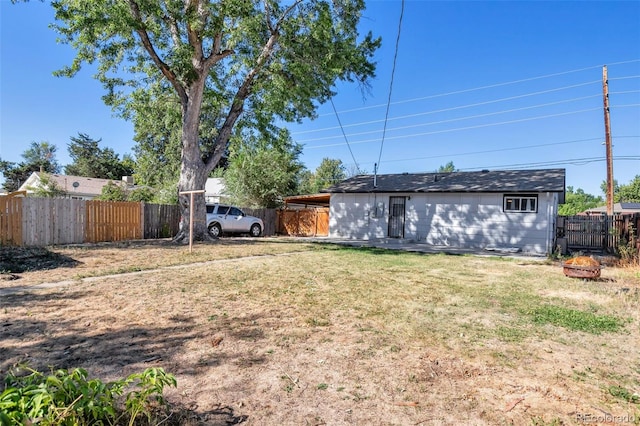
(71, 398)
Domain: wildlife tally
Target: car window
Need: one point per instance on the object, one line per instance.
(223, 209)
(235, 212)
(210, 209)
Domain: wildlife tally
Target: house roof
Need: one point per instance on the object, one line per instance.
(72, 184)
(544, 180)
(320, 200)
(623, 208)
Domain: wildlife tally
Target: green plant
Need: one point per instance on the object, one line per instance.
(576, 320)
(627, 248)
(624, 394)
(70, 398)
(148, 389)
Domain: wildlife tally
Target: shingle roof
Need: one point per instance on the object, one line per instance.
(617, 208)
(546, 180)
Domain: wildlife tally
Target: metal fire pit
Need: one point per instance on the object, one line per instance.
(582, 267)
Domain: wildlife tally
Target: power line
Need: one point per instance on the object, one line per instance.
(435, 132)
(491, 86)
(489, 151)
(364, 123)
(453, 119)
(393, 72)
(624, 92)
(627, 77)
(570, 161)
(344, 134)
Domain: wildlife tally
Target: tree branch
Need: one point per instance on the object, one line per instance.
(148, 45)
(193, 36)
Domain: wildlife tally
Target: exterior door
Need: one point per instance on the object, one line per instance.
(396, 217)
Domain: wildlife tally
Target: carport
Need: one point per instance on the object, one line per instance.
(305, 216)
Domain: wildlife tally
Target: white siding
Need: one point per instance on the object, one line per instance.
(448, 219)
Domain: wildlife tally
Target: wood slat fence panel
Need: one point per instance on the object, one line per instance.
(304, 222)
(268, 216)
(113, 221)
(161, 220)
(11, 220)
(53, 221)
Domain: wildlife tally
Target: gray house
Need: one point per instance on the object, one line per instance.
(502, 209)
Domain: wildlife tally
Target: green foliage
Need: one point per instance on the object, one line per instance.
(627, 249)
(39, 157)
(578, 201)
(144, 194)
(447, 168)
(329, 172)
(624, 394)
(89, 160)
(47, 187)
(113, 192)
(626, 193)
(576, 320)
(71, 398)
(629, 193)
(262, 170)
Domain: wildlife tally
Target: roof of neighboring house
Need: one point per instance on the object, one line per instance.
(319, 200)
(72, 184)
(623, 208)
(544, 180)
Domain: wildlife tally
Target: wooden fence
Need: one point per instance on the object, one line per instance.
(55, 221)
(304, 222)
(598, 233)
(268, 216)
(161, 220)
(11, 219)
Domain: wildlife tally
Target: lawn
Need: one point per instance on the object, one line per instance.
(275, 332)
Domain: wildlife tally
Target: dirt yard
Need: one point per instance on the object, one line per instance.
(268, 332)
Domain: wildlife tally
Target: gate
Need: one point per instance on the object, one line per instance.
(396, 217)
(599, 233)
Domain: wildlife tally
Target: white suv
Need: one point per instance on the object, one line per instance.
(231, 220)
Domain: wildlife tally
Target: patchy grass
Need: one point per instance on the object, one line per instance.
(574, 319)
(313, 334)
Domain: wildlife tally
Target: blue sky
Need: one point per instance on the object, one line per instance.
(485, 84)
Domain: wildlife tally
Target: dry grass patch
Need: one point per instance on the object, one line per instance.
(331, 335)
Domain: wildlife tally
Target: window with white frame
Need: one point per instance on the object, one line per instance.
(520, 203)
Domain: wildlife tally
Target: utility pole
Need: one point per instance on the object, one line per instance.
(607, 140)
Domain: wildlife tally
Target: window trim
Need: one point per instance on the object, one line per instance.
(520, 197)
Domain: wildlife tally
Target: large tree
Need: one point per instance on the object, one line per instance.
(329, 172)
(629, 193)
(221, 59)
(89, 160)
(39, 157)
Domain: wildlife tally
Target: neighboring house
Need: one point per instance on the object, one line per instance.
(618, 208)
(214, 190)
(76, 187)
(508, 209)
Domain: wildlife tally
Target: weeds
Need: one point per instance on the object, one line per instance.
(624, 394)
(70, 398)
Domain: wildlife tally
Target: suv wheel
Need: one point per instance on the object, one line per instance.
(215, 230)
(255, 230)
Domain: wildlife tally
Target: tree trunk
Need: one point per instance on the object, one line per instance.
(193, 171)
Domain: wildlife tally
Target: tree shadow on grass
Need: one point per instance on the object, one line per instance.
(36, 330)
(22, 259)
